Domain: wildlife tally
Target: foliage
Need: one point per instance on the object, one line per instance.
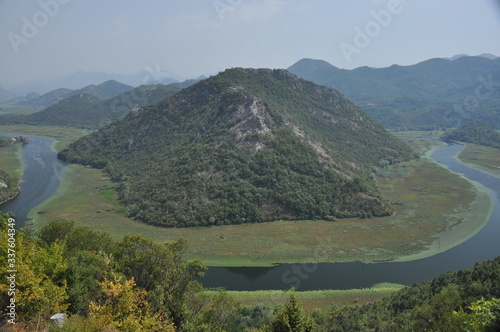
(476, 132)
(483, 316)
(125, 308)
(135, 284)
(129, 285)
(4, 142)
(160, 270)
(427, 306)
(244, 146)
(39, 281)
(291, 318)
(8, 186)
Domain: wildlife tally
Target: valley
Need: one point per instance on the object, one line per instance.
(434, 210)
(89, 197)
(249, 166)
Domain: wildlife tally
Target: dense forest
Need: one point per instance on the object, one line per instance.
(245, 146)
(476, 132)
(434, 94)
(135, 284)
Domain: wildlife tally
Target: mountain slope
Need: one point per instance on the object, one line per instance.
(477, 132)
(246, 145)
(81, 109)
(436, 93)
(92, 112)
(106, 90)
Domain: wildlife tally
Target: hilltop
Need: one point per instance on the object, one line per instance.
(106, 90)
(247, 145)
(434, 94)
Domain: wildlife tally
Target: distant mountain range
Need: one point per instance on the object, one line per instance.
(247, 145)
(484, 55)
(433, 94)
(104, 90)
(81, 79)
(93, 106)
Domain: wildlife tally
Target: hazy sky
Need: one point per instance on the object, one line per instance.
(50, 38)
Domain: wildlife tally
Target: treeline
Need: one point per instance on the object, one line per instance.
(467, 300)
(135, 284)
(476, 132)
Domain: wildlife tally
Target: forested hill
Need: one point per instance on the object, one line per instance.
(86, 110)
(477, 132)
(437, 93)
(247, 145)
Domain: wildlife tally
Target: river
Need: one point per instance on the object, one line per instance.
(484, 245)
(41, 177)
(42, 174)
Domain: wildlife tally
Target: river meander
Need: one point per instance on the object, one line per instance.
(41, 177)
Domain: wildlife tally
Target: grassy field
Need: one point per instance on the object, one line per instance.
(10, 160)
(321, 299)
(433, 208)
(61, 135)
(484, 158)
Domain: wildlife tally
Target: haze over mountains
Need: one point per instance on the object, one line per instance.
(104, 90)
(433, 94)
(93, 106)
(81, 79)
(247, 145)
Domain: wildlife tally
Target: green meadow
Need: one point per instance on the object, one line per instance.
(484, 158)
(61, 135)
(311, 300)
